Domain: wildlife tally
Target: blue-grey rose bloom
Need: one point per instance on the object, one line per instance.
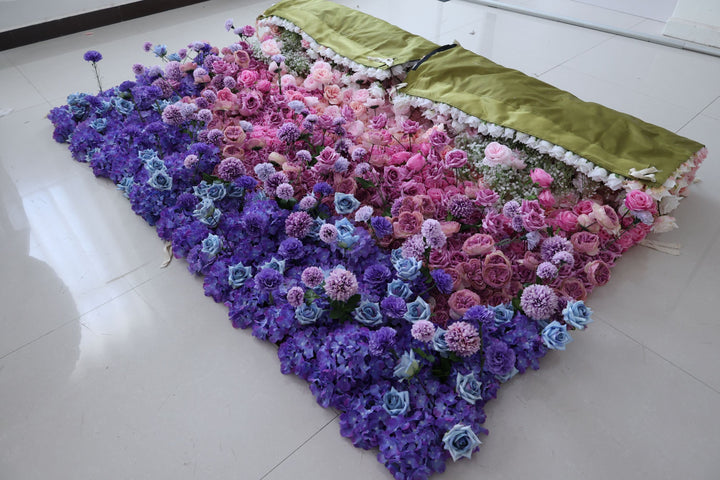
(468, 387)
(211, 245)
(238, 274)
(308, 314)
(147, 154)
(207, 213)
(439, 344)
(160, 180)
(460, 441)
(503, 313)
(396, 403)
(398, 288)
(368, 313)
(407, 268)
(345, 229)
(153, 164)
(577, 314)
(216, 191)
(417, 310)
(407, 366)
(345, 203)
(124, 107)
(275, 264)
(555, 336)
(504, 378)
(99, 124)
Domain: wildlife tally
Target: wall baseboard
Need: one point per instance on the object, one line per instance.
(86, 21)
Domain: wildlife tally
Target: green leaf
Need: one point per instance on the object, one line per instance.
(365, 183)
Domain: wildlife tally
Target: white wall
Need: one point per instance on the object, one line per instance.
(22, 13)
(697, 21)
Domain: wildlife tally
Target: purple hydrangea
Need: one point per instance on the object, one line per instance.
(382, 340)
(499, 357)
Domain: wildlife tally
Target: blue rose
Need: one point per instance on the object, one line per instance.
(504, 378)
(308, 314)
(396, 255)
(368, 313)
(439, 343)
(345, 229)
(211, 245)
(555, 336)
(275, 264)
(200, 190)
(125, 184)
(460, 441)
(396, 403)
(99, 124)
(417, 310)
(407, 268)
(468, 387)
(407, 366)
(160, 180)
(577, 314)
(147, 154)
(160, 50)
(154, 164)
(234, 191)
(398, 288)
(345, 203)
(238, 274)
(503, 313)
(207, 213)
(216, 191)
(124, 107)
(103, 108)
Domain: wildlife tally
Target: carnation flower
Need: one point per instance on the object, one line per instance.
(423, 331)
(364, 213)
(288, 133)
(382, 226)
(307, 202)
(538, 302)
(264, 170)
(298, 224)
(284, 191)
(443, 281)
(461, 206)
(394, 307)
(328, 233)
(295, 296)
(552, 245)
(230, 168)
(547, 270)
(341, 284)
(312, 277)
(463, 339)
(92, 56)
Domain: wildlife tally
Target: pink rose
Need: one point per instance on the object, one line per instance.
(461, 301)
(455, 158)
(412, 188)
(479, 244)
(449, 228)
(394, 175)
(639, 201)
(263, 86)
(546, 199)
(566, 220)
(399, 158)
(472, 271)
(606, 217)
(585, 242)
(407, 224)
(269, 48)
(436, 194)
(497, 154)
(438, 138)
(497, 270)
(495, 223)
(533, 221)
(328, 156)
(541, 177)
(416, 162)
(226, 95)
(584, 207)
(439, 258)
(598, 272)
(332, 94)
(458, 278)
(487, 197)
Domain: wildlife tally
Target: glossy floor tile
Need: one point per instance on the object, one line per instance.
(113, 367)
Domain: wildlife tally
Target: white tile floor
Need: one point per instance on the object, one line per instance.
(113, 368)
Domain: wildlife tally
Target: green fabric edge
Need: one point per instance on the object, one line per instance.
(352, 34)
(610, 139)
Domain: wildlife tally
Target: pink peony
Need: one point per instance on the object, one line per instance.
(574, 288)
(497, 154)
(332, 94)
(639, 201)
(461, 301)
(455, 159)
(407, 224)
(479, 244)
(598, 272)
(585, 242)
(497, 270)
(566, 220)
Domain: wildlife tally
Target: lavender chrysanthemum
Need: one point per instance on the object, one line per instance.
(432, 231)
(328, 233)
(264, 170)
(230, 168)
(511, 209)
(298, 224)
(423, 331)
(382, 226)
(460, 206)
(413, 247)
(312, 277)
(364, 213)
(358, 155)
(295, 296)
(303, 156)
(284, 191)
(552, 245)
(288, 133)
(307, 202)
(563, 257)
(538, 302)
(341, 284)
(547, 270)
(463, 339)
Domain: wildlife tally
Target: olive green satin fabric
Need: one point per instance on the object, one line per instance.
(610, 139)
(352, 34)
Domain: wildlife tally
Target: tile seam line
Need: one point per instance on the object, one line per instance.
(653, 351)
(299, 447)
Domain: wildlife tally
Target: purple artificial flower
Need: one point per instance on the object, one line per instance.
(312, 277)
(303, 156)
(359, 155)
(364, 213)
(341, 284)
(268, 279)
(377, 275)
(563, 257)
(147, 46)
(307, 202)
(288, 133)
(413, 247)
(463, 339)
(382, 340)
(511, 209)
(552, 245)
(229, 24)
(394, 307)
(546, 271)
(423, 331)
(499, 357)
(298, 224)
(538, 302)
(323, 189)
(382, 226)
(248, 31)
(291, 248)
(264, 170)
(481, 315)
(443, 281)
(92, 56)
(460, 206)
(138, 69)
